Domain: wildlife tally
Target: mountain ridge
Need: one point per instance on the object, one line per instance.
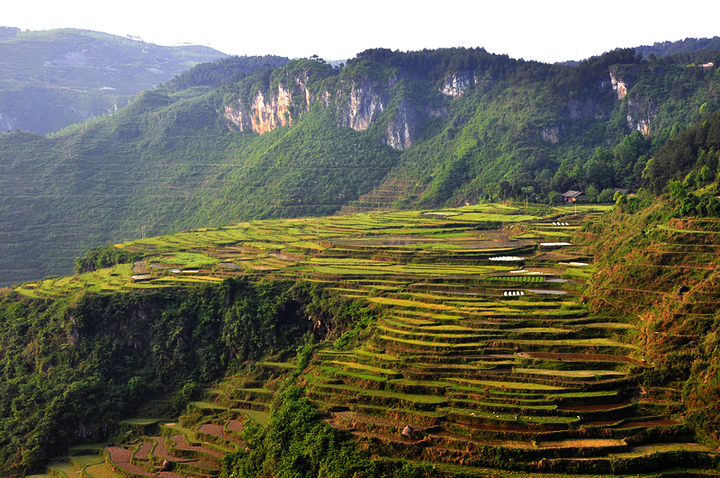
(55, 78)
(417, 129)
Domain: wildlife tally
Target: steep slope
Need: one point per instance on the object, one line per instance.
(52, 79)
(429, 128)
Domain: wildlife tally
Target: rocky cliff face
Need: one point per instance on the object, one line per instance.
(619, 86)
(375, 102)
(267, 110)
(640, 111)
(364, 105)
(359, 109)
(403, 129)
(6, 124)
(456, 84)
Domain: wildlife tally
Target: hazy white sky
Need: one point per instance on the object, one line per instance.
(543, 30)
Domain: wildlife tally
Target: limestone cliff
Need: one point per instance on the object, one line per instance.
(640, 111)
(364, 104)
(268, 110)
(358, 107)
(456, 84)
(402, 130)
(361, 102)
(618, 86)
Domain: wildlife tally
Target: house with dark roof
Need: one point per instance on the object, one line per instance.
(573, 196)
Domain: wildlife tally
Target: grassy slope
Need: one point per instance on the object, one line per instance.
(56, 77)
(644, 263)
(168, 161)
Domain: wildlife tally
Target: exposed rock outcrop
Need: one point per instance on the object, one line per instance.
(271, 113)
(619, 86)
(5, 124)
(266, 112)
(640, 111)
(550, 134)
(358, 109)
(364, 105)
(455, 85)
(403, 129)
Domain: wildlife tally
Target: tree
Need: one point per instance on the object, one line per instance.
(606, 196)
(621, 201)
(553, 198)
(705, 175)
(528, 192)
(626, 154)
(677, 189)
(505, 189)
(591, 193)
(598, 169)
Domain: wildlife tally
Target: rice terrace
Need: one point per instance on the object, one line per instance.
(480, 358)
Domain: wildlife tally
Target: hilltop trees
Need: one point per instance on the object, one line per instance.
(696, 151)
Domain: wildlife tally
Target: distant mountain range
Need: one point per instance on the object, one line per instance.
(51, 79)
(262, 137)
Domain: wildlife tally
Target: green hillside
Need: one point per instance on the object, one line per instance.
(298, 269)
(512, 342)
(52, 79)
(234, 140)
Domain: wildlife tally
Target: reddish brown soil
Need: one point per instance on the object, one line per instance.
(235, 426)
(379, 436)
(120, 457)
(179, 443)
(219, 431)
(600, 423)
(353, 418)
(569, 357)
(598, 407)
(169, 474)
(649, 423)
(161, 450)
(143, 452)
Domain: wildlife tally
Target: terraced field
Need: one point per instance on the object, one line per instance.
(499, 369)
(175, 453)
(483, 360)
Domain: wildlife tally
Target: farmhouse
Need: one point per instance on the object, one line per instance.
(572, 196)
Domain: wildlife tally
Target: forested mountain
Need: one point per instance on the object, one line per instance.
(52, 79)
(686, 46)
(222, 143)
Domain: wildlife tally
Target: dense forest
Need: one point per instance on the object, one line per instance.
(71, 368)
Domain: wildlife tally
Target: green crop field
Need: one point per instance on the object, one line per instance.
(449, 349)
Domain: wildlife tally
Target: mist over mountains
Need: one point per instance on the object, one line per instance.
(52, 79)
